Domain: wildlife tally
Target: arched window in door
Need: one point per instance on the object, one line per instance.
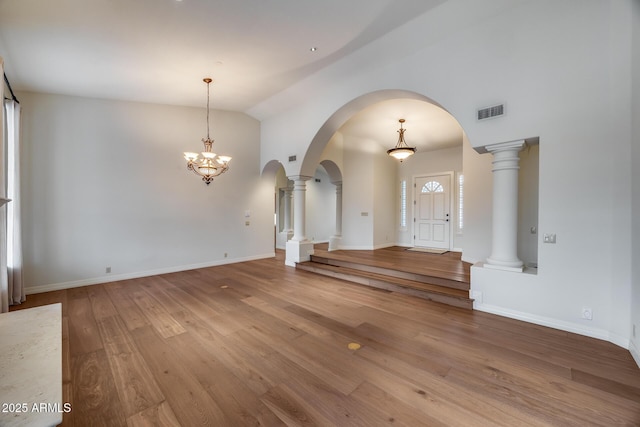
(432, 187)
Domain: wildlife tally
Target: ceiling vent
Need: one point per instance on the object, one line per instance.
(491, 112)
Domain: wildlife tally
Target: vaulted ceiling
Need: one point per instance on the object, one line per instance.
(158, 51)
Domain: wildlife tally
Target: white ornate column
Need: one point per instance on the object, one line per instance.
(334, 241)
(504, 245)
(287, 230)
(299, 248)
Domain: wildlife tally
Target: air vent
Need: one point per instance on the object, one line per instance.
(491, 112)
(292, 158)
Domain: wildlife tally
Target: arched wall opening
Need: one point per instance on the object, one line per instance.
(322, 198)
(332, 125)
(356, 138)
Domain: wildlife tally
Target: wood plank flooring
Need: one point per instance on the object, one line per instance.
(258, 343)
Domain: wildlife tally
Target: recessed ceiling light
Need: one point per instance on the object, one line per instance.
(313, 49)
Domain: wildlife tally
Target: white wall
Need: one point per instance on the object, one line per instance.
(334, 151)
(385, 201)
(431, 162)
(369, 195)
(281, 182)
(478, 204)
(320, 207)
(357, 194)
(635, 179)
(105, 185)
(560, 69)
(620, 99)
(528, 205)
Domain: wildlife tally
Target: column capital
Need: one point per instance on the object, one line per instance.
(505, 146)
(299, 178)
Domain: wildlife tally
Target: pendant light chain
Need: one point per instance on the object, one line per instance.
(208, 89)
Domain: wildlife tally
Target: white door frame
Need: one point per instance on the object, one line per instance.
(452, 197)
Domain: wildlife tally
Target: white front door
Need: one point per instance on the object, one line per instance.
(431, 214)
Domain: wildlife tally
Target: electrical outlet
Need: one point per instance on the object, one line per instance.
(225, 254)
(634, 330)
(587, 313)
(549, 238)
(107, 270)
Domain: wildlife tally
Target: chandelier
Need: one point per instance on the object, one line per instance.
(401, 151)
(207, 164)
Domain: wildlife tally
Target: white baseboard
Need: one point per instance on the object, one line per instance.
(601, 334)
(384, 245)
(356, 248)
(126, 276)
(366, 248)
(469, 260)
(635, 352)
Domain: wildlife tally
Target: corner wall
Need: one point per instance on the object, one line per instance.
(368, 194)
(635, 180)
(320, 207)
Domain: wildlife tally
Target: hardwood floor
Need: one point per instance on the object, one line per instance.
(447, 266)
(258, 343)
(443, 278)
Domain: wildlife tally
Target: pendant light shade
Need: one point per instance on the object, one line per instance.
(401, 151)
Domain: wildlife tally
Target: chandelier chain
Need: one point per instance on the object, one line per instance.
(208, 87)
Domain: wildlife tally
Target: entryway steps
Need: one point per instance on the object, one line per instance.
(454, 281)
(393, 280)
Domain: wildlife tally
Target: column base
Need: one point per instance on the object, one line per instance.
(516, 265)
(335, 242)
(287, 235)
(298, 251)
(282, 238)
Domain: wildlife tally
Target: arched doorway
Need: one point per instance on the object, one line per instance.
(372, 182)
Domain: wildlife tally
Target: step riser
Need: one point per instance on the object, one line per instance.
(389, 286)
(393, 273)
